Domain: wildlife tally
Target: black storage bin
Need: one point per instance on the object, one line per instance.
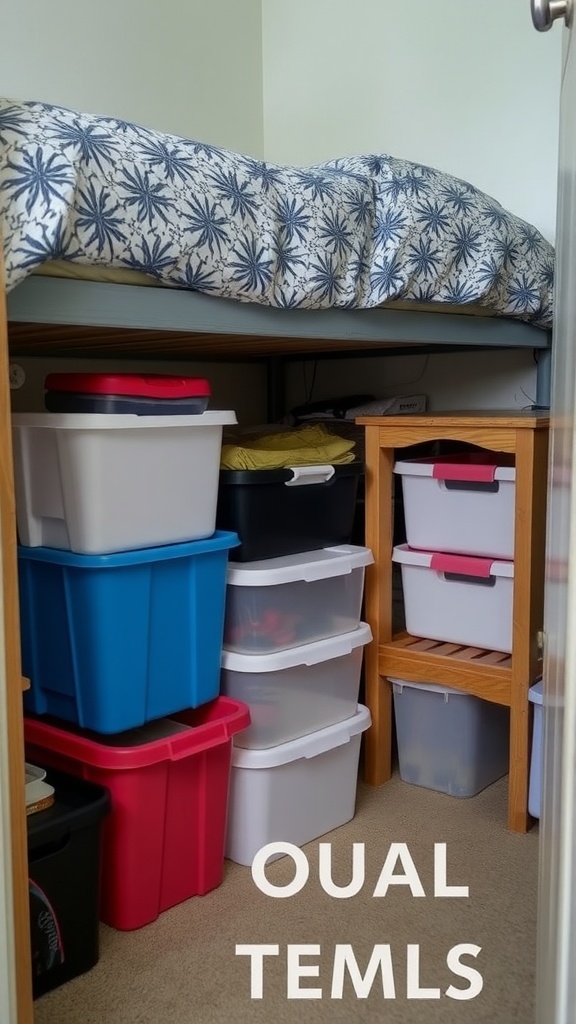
(274, 516)
(64, 881)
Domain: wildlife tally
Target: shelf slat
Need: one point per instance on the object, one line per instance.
(486, 674)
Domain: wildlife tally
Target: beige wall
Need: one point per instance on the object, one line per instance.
(451, 381)
(470, 88)
(192, 67)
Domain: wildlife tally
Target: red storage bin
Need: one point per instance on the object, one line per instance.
(164, 839)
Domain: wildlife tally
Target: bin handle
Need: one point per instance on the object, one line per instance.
(180, 744)
(339, 647)
(462, 565)
(326, 744)
(309, 475)
(465, 472)
(210, 734)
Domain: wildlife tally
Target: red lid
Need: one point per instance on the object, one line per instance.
(210, 725)
(142, 385)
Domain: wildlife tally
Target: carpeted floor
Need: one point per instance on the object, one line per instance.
(183, 968)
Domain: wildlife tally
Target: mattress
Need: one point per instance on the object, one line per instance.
(119, 275)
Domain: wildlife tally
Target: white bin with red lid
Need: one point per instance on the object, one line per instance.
(462, 503)
(457, 599)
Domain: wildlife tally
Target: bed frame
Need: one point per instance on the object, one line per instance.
(60, 317)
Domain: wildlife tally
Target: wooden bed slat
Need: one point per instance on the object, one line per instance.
(27, 339)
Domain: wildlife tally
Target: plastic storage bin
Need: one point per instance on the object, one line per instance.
(64, 881)
(537, 754)
(449, 741)
(164, 839)
(458, 599)
(285, 511)
(297, 691)
(97, 484)
(462, 504)
(143, 394)
(298, 599)
(112, 641)
(296, 791)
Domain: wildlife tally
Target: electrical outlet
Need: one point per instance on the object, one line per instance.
(17, 376)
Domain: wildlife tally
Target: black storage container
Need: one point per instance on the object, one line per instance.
(285, 511)
(64, 881)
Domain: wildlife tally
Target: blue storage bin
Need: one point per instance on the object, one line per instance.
(111, 642)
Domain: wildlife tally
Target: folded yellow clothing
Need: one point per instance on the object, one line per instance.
(309, 446)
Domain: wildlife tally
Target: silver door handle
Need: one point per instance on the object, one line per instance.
(545, 12)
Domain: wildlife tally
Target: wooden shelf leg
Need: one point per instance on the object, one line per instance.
(378, 738)
(518, 817)
(529, 548)
(378, 606)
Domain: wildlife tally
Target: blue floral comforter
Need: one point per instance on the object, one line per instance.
(354, 232)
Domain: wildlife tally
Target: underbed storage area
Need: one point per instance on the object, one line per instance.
(183, 692)
(195, 635)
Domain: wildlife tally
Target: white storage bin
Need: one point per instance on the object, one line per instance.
(462, 504)
(296, 791)
(535, 787)
(448, 740)
(278, 603)
(457, 598)
(296, 691)
(95, 483)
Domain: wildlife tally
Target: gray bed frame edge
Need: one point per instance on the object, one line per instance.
(61, 301)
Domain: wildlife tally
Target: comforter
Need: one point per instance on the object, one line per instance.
(353, 232)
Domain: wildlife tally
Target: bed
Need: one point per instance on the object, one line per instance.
(121, 240)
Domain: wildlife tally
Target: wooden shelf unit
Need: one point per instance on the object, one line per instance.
(503, 679)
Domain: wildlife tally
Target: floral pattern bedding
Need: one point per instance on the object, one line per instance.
(353, 232)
